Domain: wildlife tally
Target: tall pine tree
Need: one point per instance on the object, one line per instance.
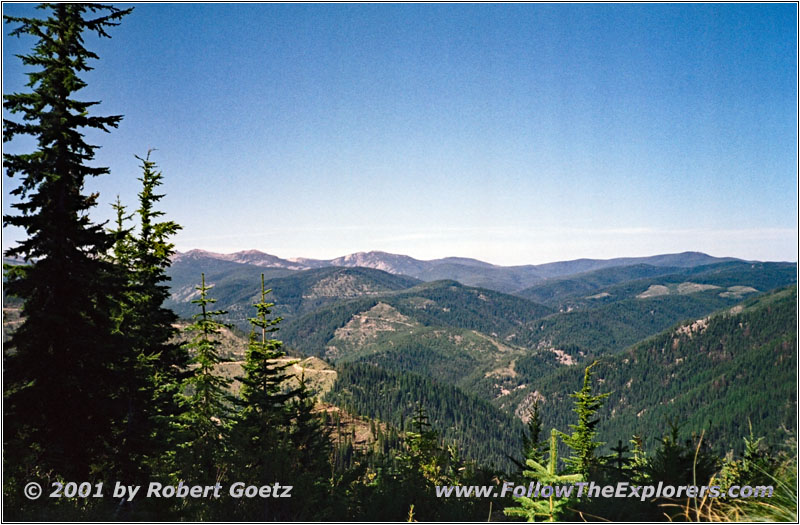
(156, 364)
(204, 423)
(263, 435)
(262, 398)
(152, 254)
(62, 366)
(582, 440)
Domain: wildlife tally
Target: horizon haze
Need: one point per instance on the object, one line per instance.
(302, 259)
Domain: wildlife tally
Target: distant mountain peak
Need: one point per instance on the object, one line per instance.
(471, 272)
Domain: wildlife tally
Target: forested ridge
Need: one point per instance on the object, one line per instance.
(712, 375)
(114, 352)
(479, 430)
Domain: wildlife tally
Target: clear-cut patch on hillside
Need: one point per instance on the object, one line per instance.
(506, 371)
(497, 344)
(654, 291)
(318, 376)
(737, 292)
(563, 357)
(693, 328)
(685, 288)
(368, 325)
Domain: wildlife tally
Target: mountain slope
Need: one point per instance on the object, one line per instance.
(440, 304)
(586, 290)
(236, 287)
(495, 345)
(680, 260)
(254, 257)
(460, 335)
(553, 291)
(618, 316)
(482, 432)
(713, 374)
(756, 275)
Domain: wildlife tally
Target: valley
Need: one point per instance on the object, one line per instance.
(381, 340)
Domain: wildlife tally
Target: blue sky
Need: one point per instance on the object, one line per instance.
(521, 133)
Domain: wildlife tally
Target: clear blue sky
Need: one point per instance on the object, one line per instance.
(511, 133)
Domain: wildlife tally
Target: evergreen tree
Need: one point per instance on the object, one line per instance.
(582, 440)
(619, 459)
(156, 364)
(680, 463)
(532, 447)
(122, 251)
(260, 433)
(153, 252)
(261, 395)
(205, 420)
(425, 455)
(311, 451)
(62, 367)
(132, 434)
(277, 436)
(552, 508)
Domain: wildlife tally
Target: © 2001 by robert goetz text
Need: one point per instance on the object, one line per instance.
(159, 490)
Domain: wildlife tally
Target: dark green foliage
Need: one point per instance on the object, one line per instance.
(470, 308)
(260, 432)
(155, 364)
(311, 332)
(757, 466)
(554, 291)
(204, 422)
(590, 327)
(511, 279)
(313, 318)
(261, 386)
(713, 377)
(96, 389)
(532, 445)
(310, 457)
(452, 333)
(425, 464)
(398, 483)
(152, 252)
(599, 287)
(483, 432)
(676, 463)
(613, 327)
(276, 436)
(62, 365)
(582, 441)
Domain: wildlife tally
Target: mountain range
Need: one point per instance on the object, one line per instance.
(464, 270)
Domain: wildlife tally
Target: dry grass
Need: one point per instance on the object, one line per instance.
(781, 507)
